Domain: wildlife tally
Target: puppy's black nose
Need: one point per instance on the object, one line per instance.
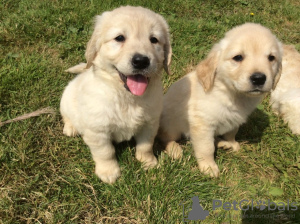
(140, 61)
(258, 79)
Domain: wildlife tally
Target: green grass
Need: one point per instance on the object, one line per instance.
(46, 177)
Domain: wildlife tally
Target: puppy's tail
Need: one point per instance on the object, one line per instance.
(289, 108)
(77, 69)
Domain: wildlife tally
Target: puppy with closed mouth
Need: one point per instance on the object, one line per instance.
(285, 99)
(118, 94)
(216, 98)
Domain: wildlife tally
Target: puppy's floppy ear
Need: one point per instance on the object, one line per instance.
(279, 68)
(167, 46)
(168, 56)
(277, 76)
(94, 43)
(206, 70)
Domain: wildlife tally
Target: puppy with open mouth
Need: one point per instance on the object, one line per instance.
(216, 98)
(118, 94)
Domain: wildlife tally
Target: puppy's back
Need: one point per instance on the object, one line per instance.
(174, 118)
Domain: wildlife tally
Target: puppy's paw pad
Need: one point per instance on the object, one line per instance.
(174, 150)
(210, 169)
(108, 175)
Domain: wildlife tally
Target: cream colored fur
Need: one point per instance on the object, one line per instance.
(96, 105)
(285, 99)
(216, 98)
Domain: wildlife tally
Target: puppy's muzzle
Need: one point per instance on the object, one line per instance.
(258, 79)
(137, 82)
(140, 61)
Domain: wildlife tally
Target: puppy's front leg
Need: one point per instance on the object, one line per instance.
(144, 145)
(228, 141)
(204, 148)
(103, 152)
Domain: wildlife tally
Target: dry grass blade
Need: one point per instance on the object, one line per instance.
(46, 110)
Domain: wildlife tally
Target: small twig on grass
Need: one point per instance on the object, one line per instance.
(46, 110)
(120, 219)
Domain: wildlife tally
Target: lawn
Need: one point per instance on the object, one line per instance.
(46, 177)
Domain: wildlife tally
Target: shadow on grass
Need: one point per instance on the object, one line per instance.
(271, 215)
(253, 130)
(131, 144)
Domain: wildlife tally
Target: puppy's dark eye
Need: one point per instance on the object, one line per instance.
(238, 58)
(120, 38)
(153, 40)
(271, 58)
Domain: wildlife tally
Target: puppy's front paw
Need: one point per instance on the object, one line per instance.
(69, 130)
(108, 172)
(235, 146)
(148, 159)
(295, 128)
(174, 150)
(209, 168)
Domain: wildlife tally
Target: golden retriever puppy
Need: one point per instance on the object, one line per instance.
(119, 93)
(285, 99)
(216, 98)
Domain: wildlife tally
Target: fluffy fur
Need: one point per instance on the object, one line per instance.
(128, 43)
(285, 99)
(216, 98)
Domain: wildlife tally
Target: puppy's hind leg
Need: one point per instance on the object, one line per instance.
(228, 141)
(173, 149)
(69, 129)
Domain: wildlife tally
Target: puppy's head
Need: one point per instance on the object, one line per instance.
(248, 60)
(132, 44)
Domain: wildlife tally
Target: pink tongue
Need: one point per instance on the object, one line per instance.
(137, 84)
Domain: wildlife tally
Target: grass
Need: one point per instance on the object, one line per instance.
(46, 177)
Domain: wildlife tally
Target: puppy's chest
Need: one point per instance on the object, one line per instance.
(230, 116)
(228, 120)
(126, 123)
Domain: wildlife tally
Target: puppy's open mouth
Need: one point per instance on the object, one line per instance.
(136, 84)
